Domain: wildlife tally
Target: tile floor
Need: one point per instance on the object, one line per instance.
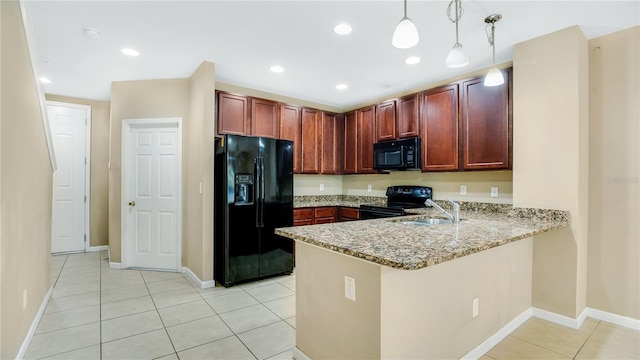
(100, 313)
(541, 339)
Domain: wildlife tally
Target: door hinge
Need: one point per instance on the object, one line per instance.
(85, 199)
(86, 121)
(85, 237)
(85, 160)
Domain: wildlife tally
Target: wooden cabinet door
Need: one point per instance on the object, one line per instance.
(386, 121)
(366, 138)
(303, 216)
(440, 129)
(289, 129)
(330, 160)
(408, 116)
(311, 140)
(264, 118)
(350, 142)
(233, 114)
(485, 124)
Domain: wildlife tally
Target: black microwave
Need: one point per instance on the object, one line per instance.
(397, 155)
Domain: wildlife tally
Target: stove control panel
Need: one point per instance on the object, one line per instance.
(410, 193)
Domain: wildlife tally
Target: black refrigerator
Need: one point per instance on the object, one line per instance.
(253, 182)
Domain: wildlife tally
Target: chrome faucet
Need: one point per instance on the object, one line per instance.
(455, 217)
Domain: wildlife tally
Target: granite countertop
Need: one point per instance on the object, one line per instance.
(335, 200)
(390, 243)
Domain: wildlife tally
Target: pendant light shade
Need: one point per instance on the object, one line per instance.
(457, 56)
(406, 35)
(494, 77)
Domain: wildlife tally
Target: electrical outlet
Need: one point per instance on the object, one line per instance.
(350, 288)
(369, 187)
(463, 189)
(494, 191)
(321, 187)
(476, 307)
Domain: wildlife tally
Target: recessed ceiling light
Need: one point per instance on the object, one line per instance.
(130, 52)
(341, 86)
(277, 69)
(342, 29)
(412, 60)
(44, 80)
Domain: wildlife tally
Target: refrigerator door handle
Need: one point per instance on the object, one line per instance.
(256, 181)
(261, 192)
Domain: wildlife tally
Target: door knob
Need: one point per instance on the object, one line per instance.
(132, 203)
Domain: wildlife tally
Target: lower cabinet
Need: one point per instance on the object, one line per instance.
(323, 215)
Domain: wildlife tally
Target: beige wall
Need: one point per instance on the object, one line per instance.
(445, 185)
(614, 229)
(139, 100)
(550, 154)
(25, 188)
(99, 222)
(328, 325)
(427, 313)
(199, 153)
(310, 184)
(275, 97)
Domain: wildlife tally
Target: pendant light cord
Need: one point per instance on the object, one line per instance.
(405, 9)
(457, 42)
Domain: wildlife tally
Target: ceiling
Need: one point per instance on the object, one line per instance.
(245, 38)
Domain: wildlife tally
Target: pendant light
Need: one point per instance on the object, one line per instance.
(406, 35)
(494, 77)
(457, 56)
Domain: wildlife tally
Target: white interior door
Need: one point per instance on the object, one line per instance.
(68, 125)
(152, 199)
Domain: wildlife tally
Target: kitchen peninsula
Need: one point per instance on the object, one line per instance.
(414, 285)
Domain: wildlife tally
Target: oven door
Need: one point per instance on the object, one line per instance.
(378, 213)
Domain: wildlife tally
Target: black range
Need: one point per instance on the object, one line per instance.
(399, 198)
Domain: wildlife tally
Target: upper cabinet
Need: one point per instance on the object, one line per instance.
(233, 114)
(289, 129)
(439, 125)
(408, 116)
(244, 115)
(365, 139)
(331, 144)
(350, 142)
(486, 120)
(264, 118)
(311, 136)
(386, 121)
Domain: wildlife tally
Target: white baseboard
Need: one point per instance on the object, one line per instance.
(202, 284)
(563, 320)
(115, 265)
(492, 341)
(299, 355)
(99, 248)
(615, 319)
(559, 319)
(34, 325)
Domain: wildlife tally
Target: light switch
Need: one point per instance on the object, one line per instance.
(463, 189)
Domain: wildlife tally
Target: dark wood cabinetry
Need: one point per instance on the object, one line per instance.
(264, 118)
(439, 129)
(486, 124)
(289, 129)
(348, 214)
(311, 130)
(366, 138)
(323, 215)
(350, 143)
(386, 121)
(233, 114)
(408, 109)
(303, 216)
(331, 143)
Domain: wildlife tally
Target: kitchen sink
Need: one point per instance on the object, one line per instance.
(426, 222)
